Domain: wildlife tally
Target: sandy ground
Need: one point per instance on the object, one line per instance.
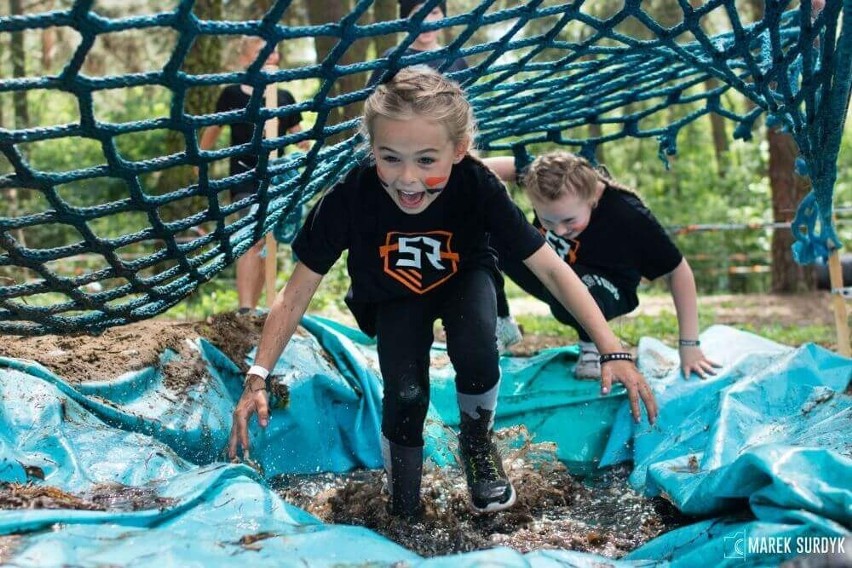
(814, 308)
(730, 309)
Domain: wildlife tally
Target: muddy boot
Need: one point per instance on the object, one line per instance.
(404, 467)
(490, 488)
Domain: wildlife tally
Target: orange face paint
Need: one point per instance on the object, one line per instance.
(433, 181)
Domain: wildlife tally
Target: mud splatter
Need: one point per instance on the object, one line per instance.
(125, 498)
(101, 497)
(234, 335)
(553, 509)
(185, 371)
(27, 496)
(8, 547)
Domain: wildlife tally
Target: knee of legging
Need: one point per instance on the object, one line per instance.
(404, 411)
(468, 331)
(475, 375)
(403, 429)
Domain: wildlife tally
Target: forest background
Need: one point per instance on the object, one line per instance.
(713, 179)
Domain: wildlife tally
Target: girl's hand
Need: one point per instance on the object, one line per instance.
(692, 360)
(254, 399)
(637, 387)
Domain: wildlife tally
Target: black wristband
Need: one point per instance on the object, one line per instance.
(688, 343)
(607, 357)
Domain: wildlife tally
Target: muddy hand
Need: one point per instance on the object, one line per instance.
(253, 400)
(637, 387)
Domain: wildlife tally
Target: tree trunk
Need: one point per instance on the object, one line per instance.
(383, 11)
(717, 122)
(321, 13)
(204, 55)
(19, 69)
(788, 190)
(294, 15)
(2, 73)
(596, 131)
(48, 41)
(720, 133)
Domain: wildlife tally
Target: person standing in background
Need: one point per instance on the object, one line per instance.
(426, 41)
(250, 275)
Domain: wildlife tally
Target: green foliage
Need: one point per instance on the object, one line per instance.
(664, 327)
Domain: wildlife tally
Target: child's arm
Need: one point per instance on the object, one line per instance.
(209, 136)
(503, 166)
(564, 284)
(287, 310)
(692, 358)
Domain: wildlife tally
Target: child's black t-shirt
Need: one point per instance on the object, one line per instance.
(623, 242)
(231, 98)
(393, 254)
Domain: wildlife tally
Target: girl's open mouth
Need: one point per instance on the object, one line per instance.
(411, 199)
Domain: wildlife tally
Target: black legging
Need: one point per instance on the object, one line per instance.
(613, 302)
(466, 305)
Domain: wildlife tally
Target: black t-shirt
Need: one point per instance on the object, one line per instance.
(232, 97)
(393, 254)
(457, 65)
(623, 242)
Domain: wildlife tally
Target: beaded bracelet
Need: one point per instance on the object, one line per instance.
(607, 357)
(688, 342)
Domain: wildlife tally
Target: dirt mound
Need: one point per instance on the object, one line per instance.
(80, 358)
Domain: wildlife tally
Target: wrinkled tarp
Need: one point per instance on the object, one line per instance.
(331, 420)
(770, 435)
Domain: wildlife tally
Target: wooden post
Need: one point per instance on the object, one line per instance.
(270, 130)
(841, 321)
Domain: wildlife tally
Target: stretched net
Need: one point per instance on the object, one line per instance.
(541, 72)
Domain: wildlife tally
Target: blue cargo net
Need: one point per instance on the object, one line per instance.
(544, 70)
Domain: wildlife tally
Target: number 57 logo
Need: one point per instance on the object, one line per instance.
(420, 261)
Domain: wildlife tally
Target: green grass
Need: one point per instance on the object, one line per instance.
(664, 327)
(219, 295)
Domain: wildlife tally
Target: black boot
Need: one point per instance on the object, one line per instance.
(404, 467)
(490, 488)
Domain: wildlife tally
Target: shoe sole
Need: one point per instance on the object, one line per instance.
(494, 507)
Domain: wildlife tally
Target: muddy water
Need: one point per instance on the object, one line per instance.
(100, 497)
(553, 510)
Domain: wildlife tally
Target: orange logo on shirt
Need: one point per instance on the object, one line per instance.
(420, 261)
(566, 249)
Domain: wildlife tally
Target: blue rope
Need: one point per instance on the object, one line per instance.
(535, 80)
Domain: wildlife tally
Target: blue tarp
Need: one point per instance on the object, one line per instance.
(769, 437)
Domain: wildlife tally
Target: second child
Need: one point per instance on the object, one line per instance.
(606, 234)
